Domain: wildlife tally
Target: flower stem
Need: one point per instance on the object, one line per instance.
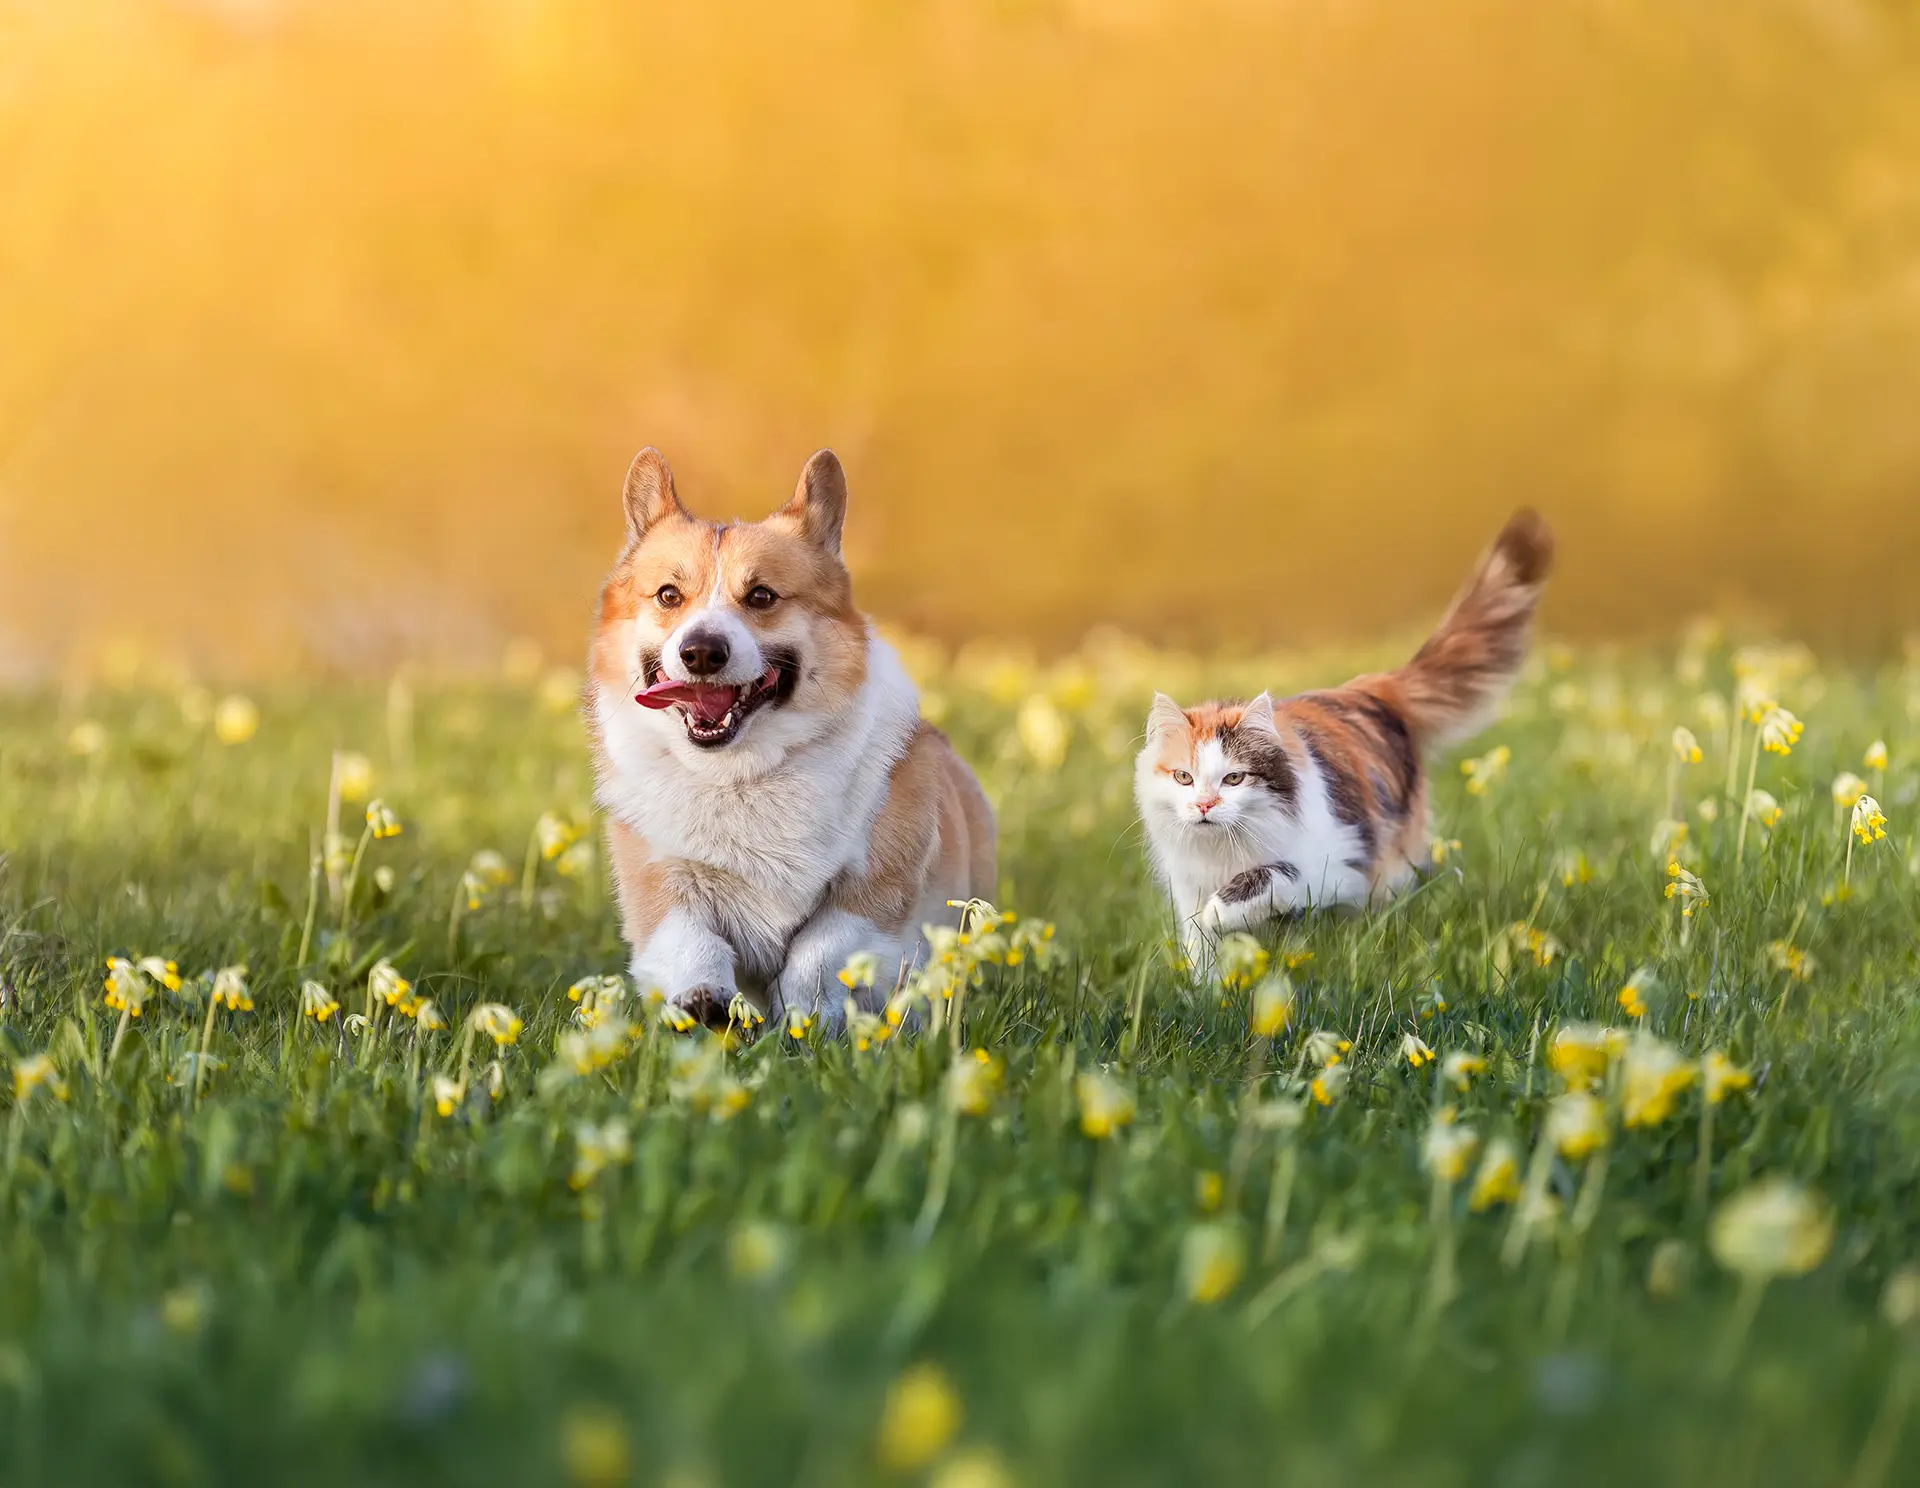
(1876, 1457)
(206, 1042)
(119, 1033)
(1703, 1163)
(353, 879)
(1746, 801)
(1739, 1324)
(1279, 1198)
(1443, 1282)
(315, 861)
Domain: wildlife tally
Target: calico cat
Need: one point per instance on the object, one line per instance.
(1258, 809)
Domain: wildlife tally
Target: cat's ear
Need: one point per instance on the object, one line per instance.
(1164, 716)
(1258, 714)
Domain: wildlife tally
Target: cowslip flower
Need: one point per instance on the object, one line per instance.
(1848, 788)
(1580, 1053)
(973, 1082)
(1459, 1066)
(799, 1023)
(554, 834)
(1869, 821)
(497, 1021)
(1484, 772)
(1633, 996)
(1763, 808)
(1241, 961)
(316, 1002)
(1448, 1147)
(352, 775)
(861, 969)
(1688, 888)
(757, 1251)
(1686, 748)
(127, 986)
(1212, 1257)
(597, 1148)
(1325, 1047)
(1415, 1050)
(921, 1415)
(1876, 755)
(1787, 957)
(385, 983)
(1653, 1075)
(235, 720)
(447, 1094)
(1043, 732)
(381, 820)
(1779, 730)
(1576, 1124)
(427, 1017)
(1272, 1006)
(1498, 1178)
(230, 989)
(1106, 1105)
(34, 1073)
(1720, 1077)
(1329, 1085)
(490, 866)
(1775, 1228)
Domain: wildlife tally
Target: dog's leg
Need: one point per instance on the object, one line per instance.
(689, 964)
(810, 980)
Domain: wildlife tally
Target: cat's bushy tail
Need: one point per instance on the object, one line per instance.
(1455, 681)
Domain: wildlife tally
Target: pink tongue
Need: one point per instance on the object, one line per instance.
(708, 704)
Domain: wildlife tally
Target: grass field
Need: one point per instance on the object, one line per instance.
(1133, 1240)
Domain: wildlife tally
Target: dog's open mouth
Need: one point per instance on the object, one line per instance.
(714, 714)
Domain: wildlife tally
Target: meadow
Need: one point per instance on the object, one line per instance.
(336, 1150)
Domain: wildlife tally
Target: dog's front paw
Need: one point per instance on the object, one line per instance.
(707, 1004)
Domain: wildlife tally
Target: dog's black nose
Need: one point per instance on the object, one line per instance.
(703, 654)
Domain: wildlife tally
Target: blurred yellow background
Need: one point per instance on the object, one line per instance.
(327, 328)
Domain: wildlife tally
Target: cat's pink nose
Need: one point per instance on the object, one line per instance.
(1207, 805)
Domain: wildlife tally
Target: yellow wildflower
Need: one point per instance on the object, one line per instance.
(1686, 748)
(230, 989)
(352, 776)
(36, 1072)
(1328, 1086)
(1208, 1189)
(1576, 1124)
(1325, 1047)
(757, 1250)
(1448, 1147)
(861, 969)
(1106, 1105)
(497, 1021)
(1415, 1051)
(1763, 808)
(1580, 1052)
(1775, 1228)
(1789, 958)
(1043, 731)
(921, 1415)
(1779, 730)
(447, 1094)
(799, 1023)
(1459, 1067)
(387, 984)
(1442, 849)
(1498, 1179)
(1688, 888)
(1720, 1077)
(1241, 961)
(973, 1083)
(1669, 836)
(554, 834)
(159, 969)
(1633, 996)
(597, 1148)
(1485, 771)
(1272, 1006)
(1653, 1076)
(427, 1017)
(127, 986)
(1869, 821)
(235, 720)
(1876, 756)
(316, 1002)
(1847, 789)
(594, 1448)
(381, 821)
(1212, 1257)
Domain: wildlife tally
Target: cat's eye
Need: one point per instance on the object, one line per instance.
(1234, 778)
(760, 597)
(1183, 777)
(667, 597)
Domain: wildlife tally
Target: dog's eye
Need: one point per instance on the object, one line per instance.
(1233, 778)
(1183, 777)
(667, 597)
(760, 597)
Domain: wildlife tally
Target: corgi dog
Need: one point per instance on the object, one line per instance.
(773, 801)
(1259, 809)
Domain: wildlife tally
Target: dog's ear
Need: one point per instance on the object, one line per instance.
(819, 505)
(649, 493)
